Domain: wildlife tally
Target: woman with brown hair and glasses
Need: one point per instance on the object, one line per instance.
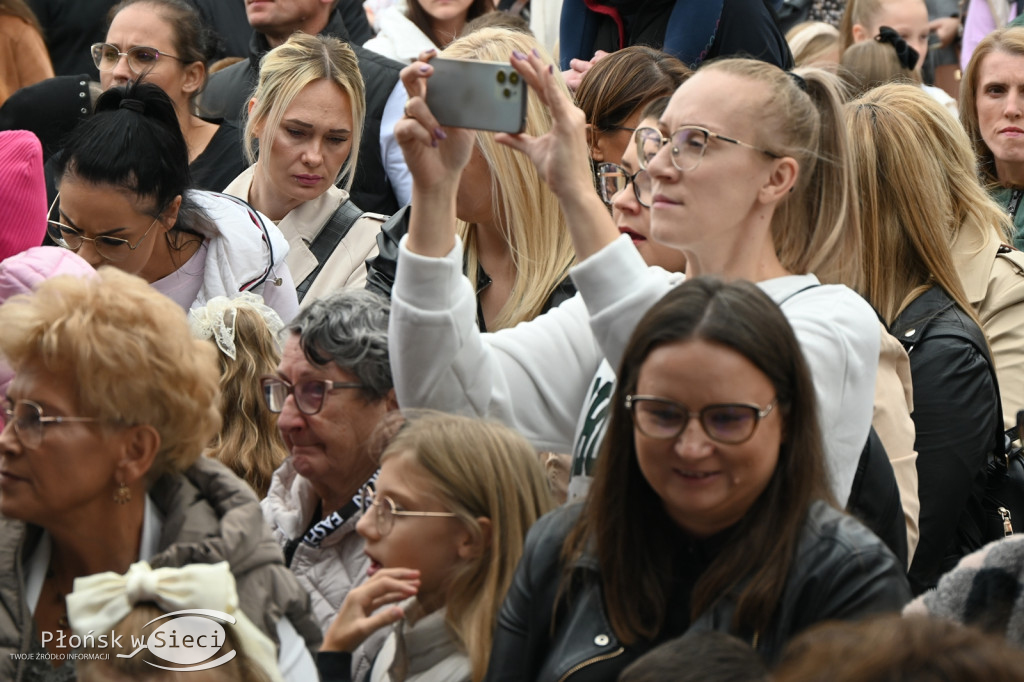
(166, 43)
(710, 508)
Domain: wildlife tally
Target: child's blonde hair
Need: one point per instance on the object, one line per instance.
(480, 469)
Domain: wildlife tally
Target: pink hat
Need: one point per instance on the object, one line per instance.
(21, 273)
(22, 192)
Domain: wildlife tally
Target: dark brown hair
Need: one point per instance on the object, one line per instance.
(419, 16)
(626, 80)
(635, 570)
(193, 40)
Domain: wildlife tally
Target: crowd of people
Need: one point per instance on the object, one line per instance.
(706, 374)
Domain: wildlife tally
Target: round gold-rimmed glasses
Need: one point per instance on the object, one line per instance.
(140, 59)
(28, 420)
(385, 510)
(687, 145)
(109, 248)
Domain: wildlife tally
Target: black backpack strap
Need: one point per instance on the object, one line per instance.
(327, 240)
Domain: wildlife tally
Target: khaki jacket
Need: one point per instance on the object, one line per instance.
(346, 266)
(994, 284)
(894, 401)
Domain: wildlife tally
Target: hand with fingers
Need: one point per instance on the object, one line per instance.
(562, 157)
(578, 67)
(361, 614)
(435, 155)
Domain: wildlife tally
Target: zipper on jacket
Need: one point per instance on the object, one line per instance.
(1004, 513)
(590, 661)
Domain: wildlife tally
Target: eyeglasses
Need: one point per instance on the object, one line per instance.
(309, 395)
(109, 248)
(688, 146)
(385, 510)
(729, 423)
(28, 420)
(140, 59)
(613, 178)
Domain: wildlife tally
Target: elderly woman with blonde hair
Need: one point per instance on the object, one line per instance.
(110, 409)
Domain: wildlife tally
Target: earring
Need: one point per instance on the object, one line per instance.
(123, 495)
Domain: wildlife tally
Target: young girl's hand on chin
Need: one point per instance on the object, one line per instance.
(359, 616)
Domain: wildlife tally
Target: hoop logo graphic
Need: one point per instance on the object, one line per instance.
(189, 638)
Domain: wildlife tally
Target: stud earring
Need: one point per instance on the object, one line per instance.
(123, 495)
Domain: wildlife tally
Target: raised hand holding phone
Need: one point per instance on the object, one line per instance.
(435, 157)
(562, 158)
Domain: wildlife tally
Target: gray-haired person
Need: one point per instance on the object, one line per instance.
(332, 387)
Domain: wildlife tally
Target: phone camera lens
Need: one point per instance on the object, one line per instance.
(513, 78)
(501, 76)
(508, 93)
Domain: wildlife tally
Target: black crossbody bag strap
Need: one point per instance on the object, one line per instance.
(324, 244)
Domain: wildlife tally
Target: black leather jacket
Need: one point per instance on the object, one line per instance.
(228, 91)
(842, 571)
(957, 419)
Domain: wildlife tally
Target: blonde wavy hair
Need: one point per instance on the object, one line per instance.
(535, 228)
(816, 229)
(127, 352)
(918, 189)
(249, 442)
(480, 469)
(1008, 41)
(287, 69)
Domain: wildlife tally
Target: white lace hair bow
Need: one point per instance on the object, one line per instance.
(99, 602)
(216, 319)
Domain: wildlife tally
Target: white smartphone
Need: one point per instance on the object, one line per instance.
(478, 95)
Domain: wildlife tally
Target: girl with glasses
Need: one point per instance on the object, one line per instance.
(126, 200)
(710, 508)
(444, 526)
(773, 210)
(167, 43)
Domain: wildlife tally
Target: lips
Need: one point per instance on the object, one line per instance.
(697, 477)
(663, 200)
(308, 180)
(633, 234)
(374, 567)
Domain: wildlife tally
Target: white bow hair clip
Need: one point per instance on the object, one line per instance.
(216, 320)
(100, 601)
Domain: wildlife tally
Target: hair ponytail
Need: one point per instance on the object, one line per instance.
(816, 229)
(133, 141)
